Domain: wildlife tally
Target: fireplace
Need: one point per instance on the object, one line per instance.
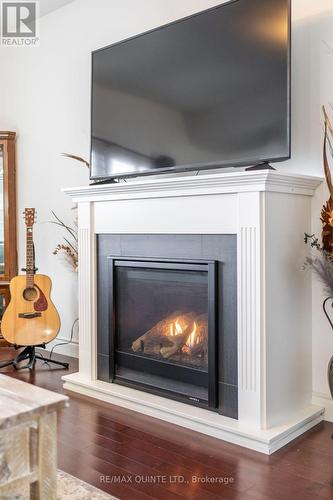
(167, 316)
(163, 327)
(263, 302)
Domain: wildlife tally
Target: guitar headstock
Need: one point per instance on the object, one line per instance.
(29, 215)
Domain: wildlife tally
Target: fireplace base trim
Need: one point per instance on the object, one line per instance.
(197, 419)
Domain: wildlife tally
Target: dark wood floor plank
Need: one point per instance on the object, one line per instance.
(98, 441)
(113, 471)
(136, 469)
(90, 439)
(71, 462)
(308, 463)
(94, 419)
(215, 483)
(157, 450)
(225, 460)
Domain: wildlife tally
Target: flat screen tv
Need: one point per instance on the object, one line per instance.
(210, 90)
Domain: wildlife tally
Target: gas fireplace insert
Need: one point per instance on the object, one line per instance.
(163, 327)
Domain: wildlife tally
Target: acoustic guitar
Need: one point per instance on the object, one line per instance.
(30, 318)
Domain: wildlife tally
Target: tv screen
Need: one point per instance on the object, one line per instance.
(211, 90)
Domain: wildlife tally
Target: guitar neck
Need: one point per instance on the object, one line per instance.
(30, 264)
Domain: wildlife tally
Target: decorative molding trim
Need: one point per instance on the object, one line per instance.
(87, 351)
(247, 307)
(251, 406)
(84, 289)
(197, 419)
(222, 183)
(7, 136)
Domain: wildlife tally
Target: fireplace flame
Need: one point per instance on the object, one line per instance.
(175, 328)
(185, 338)
(179, 329)
(193, 339)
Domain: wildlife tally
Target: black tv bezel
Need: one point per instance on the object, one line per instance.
(197, 166)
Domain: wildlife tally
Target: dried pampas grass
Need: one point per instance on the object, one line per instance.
(322, 266)
(322, 262)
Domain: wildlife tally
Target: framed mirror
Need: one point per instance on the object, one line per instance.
(2, 215)
(8, 249)
(4, 299)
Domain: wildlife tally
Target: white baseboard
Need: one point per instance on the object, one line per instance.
(325, 401)
(197, 419)
(71, 349)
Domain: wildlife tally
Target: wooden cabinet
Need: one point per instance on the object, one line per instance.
(8, 251)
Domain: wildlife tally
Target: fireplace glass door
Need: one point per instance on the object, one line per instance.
(163, 328)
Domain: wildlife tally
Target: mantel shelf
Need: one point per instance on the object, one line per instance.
(234, 182)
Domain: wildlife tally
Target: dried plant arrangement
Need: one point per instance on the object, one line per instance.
(322, 262)
(327, 211)
(69, 248)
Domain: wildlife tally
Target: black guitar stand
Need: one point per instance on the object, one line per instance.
(29, 353)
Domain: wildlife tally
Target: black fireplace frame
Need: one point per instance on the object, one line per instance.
(209, 266)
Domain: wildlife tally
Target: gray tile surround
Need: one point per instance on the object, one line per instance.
(222, 248)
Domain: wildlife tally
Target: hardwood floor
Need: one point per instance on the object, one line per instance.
(132, 456)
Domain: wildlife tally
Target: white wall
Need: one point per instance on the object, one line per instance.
(45, 97)
(312, 86)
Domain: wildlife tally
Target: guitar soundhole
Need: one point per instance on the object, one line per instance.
(30, 294)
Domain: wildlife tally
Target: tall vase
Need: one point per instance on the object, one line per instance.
(330, 363)
(330, 375)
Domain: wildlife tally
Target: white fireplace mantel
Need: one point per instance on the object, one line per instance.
(269, 212)
(234, 182)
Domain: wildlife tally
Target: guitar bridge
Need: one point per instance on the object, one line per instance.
(29, 315)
